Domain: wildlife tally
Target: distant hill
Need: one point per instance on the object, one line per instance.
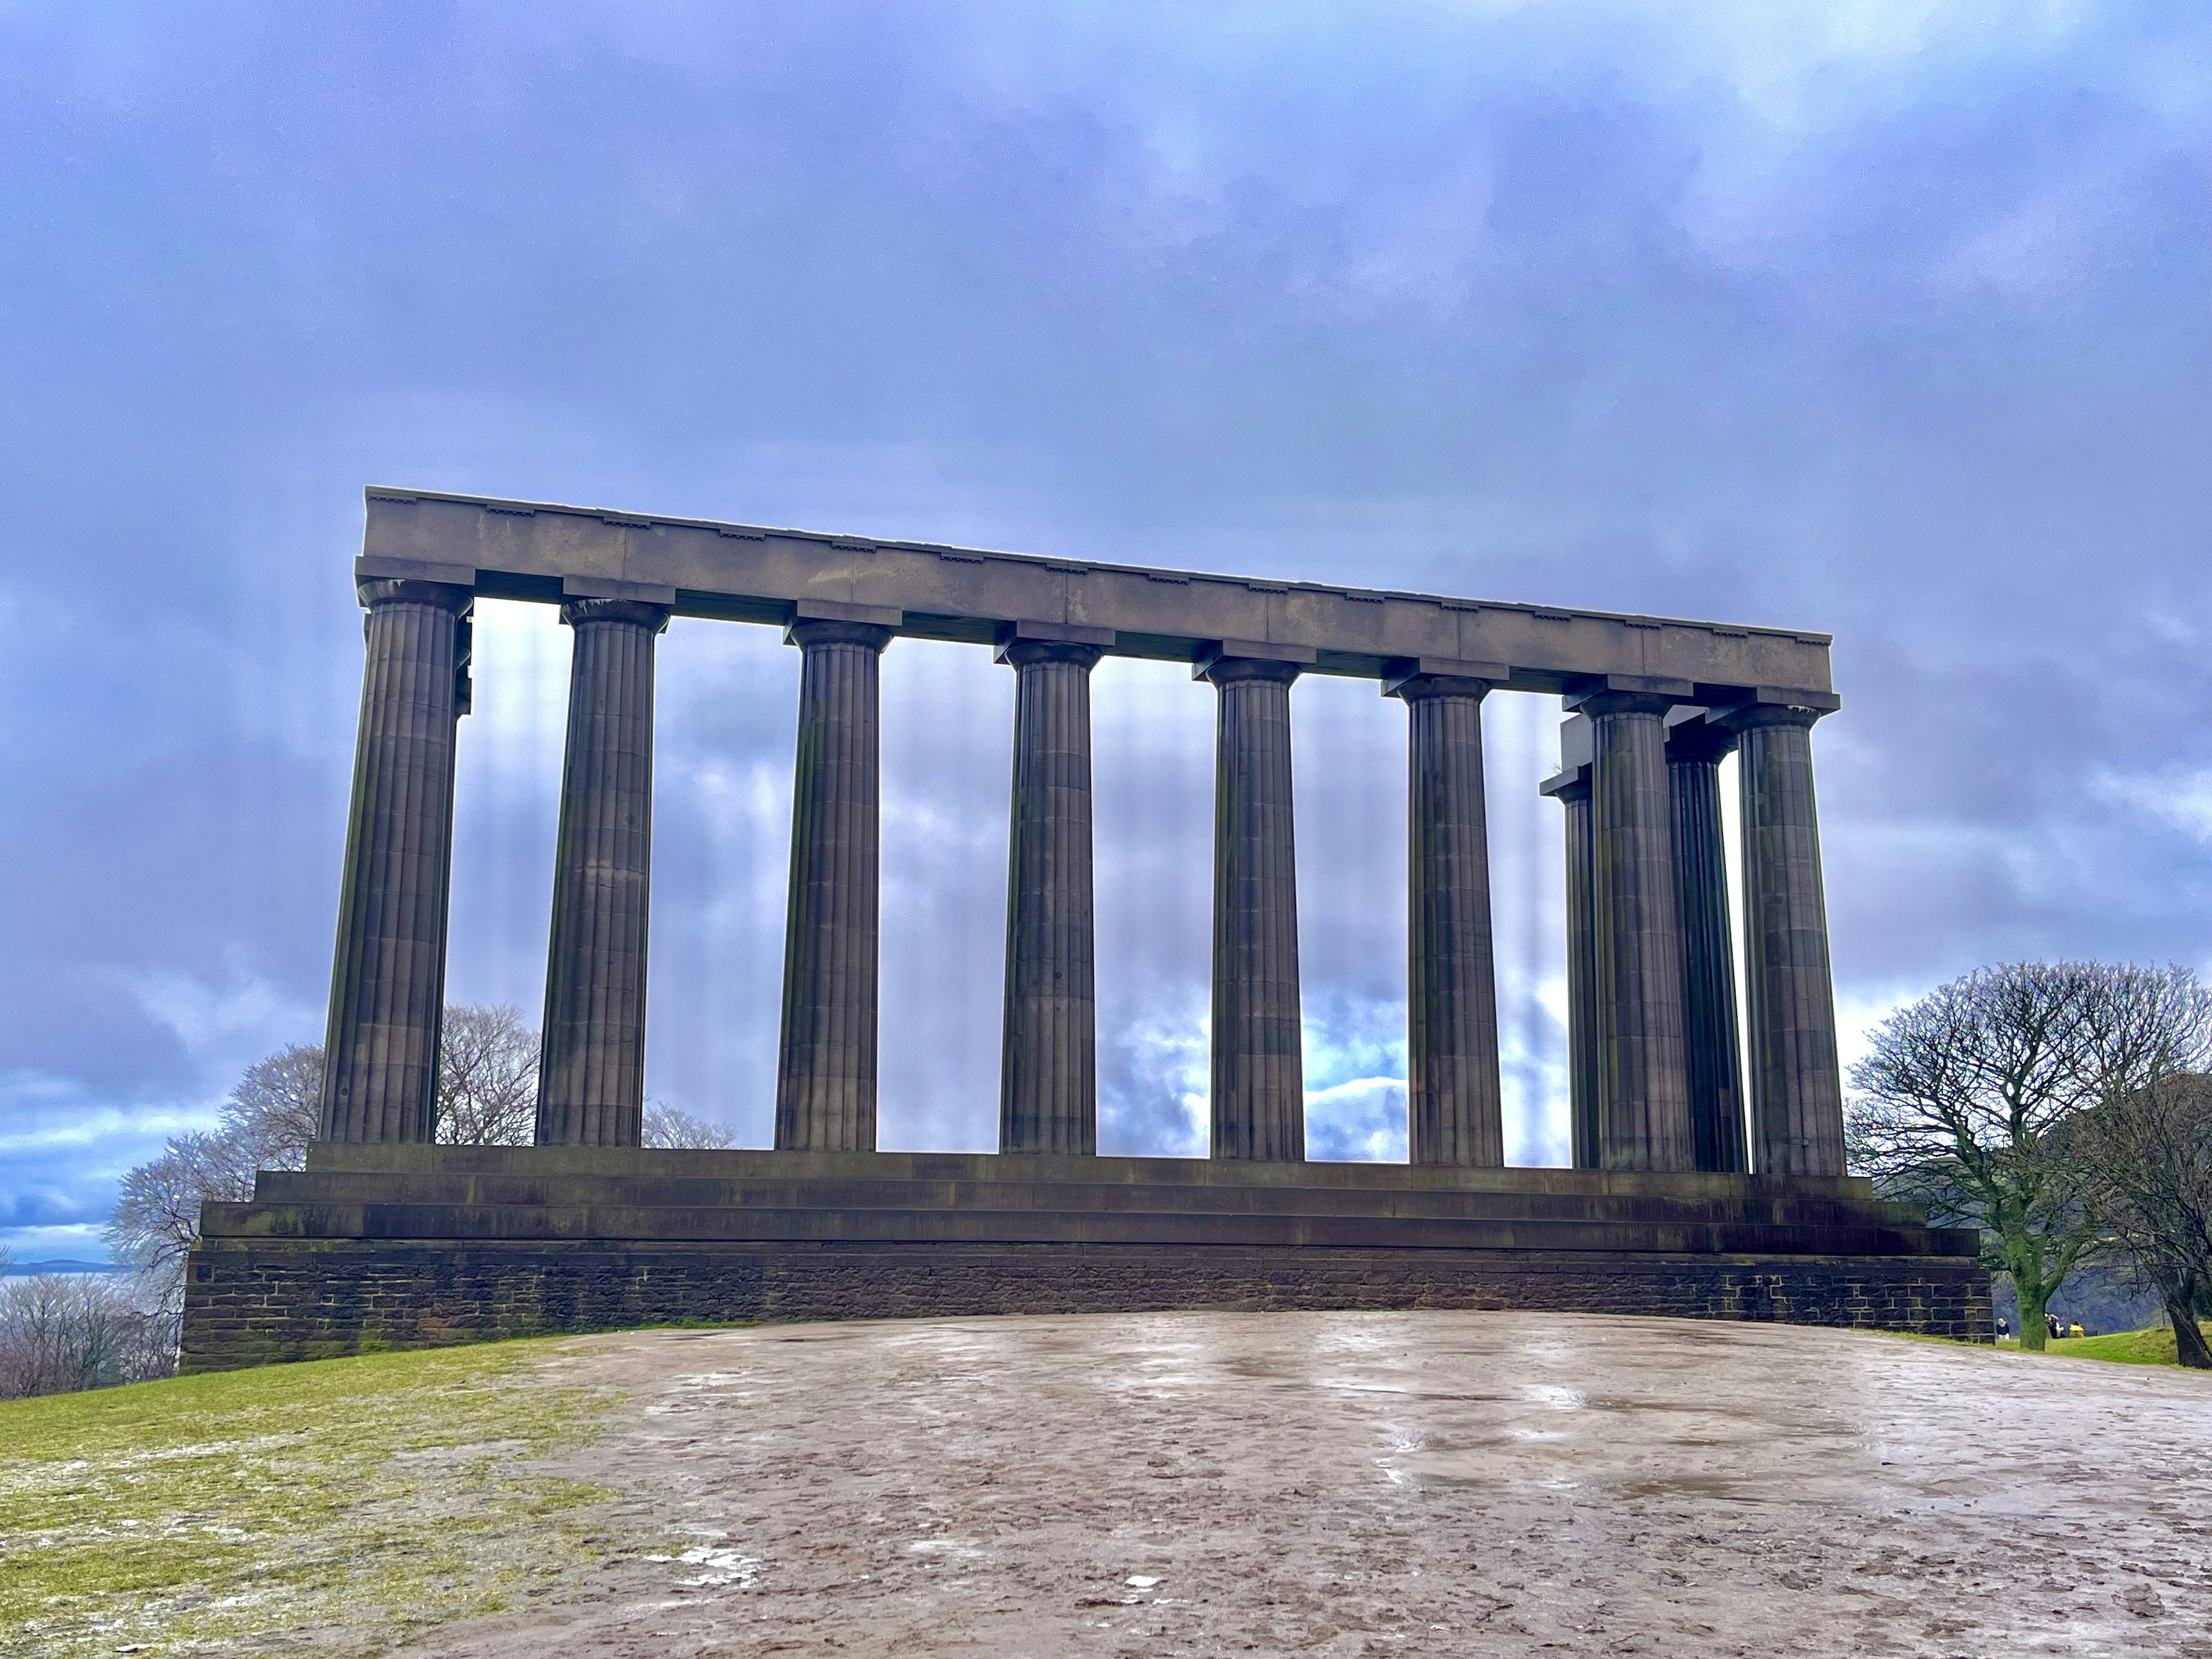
(26, 1269)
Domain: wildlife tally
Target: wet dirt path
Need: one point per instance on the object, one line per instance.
(1340, 1483)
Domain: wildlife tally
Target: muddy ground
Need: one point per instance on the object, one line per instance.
(1340, 1483)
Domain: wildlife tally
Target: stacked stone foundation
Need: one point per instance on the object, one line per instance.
(349, 1258)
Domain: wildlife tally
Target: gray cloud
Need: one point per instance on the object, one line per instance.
(1881, 319)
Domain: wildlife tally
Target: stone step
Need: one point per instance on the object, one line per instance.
(690, 1192)
(759, 1164)
(733, 1223)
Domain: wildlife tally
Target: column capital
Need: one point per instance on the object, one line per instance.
(824, 631)
(1021, 653)
(375, 591)
(1223, 662)
(1021, 643)
(607, 587)
(381, 567)
(1698, 738)
(1414, 679)
(1627, 693)
(825, 622)
(1573, 784)
(579, 613)
(1773, 705)
(1752, 715)
(1577, 762)
(1600, 704)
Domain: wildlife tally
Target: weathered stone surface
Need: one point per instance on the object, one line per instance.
(401, 1243)
(825, 1090)
(518, 549)
(1636, 926)
(255, 1302)
(388, 983)
(1796, 1083)
(1442, 1484)
(1049, 1071)
(1454, 1103)
(590, 1088)
(1585, 1008)
(1258, 1046)
(1648, 927)
(1694, 750)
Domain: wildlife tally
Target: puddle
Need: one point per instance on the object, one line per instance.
(1558, 1398)
(724, 1566)
(948, 1549)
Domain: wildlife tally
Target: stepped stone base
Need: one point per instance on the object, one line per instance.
(377, 1247)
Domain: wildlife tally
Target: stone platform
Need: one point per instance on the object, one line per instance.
(408, 1245)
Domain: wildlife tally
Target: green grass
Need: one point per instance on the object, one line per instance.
(2153, 1347)
(363, 1499)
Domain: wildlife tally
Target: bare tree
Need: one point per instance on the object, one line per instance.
(1959, 1104)
(156, 1220)
(276, 1107)
(60, 1332)
(2146, 1147)
(2149, 1158)
(670, 1126)
(487, 1096)
(488, 1077)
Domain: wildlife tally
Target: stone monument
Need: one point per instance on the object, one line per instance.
(1685, 1196)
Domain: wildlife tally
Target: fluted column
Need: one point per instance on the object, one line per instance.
(1048, 1075)
(825, 1090)
(1796, 1087)
(388, 981)
(1646, 1123)
(1585, 1085)
(1259, 1048)
(1453, 1103)
(1694, 752)
(591, 1086)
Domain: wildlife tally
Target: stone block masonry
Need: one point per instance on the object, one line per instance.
(255, 1301)
(400, 1246)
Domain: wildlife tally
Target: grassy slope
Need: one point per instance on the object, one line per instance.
(383, 1494)
(2153, 1347)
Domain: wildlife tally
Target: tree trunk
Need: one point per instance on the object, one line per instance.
(2032, 1302)
(2190, 1348)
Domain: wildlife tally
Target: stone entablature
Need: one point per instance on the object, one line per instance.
(746, 573)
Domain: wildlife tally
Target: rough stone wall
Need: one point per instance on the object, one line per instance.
(255, 1301)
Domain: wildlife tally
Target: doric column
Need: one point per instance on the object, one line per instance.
(1646, 1124)
(1796, 1089)
(1259, 1048)
(825, 1086)
(388, 982)
(1585, 1074)
(1047, 1073)
(1453, 1101)
(591, 1084)
(1695, 747)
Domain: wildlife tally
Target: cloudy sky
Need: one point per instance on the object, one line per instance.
(1892, 320)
